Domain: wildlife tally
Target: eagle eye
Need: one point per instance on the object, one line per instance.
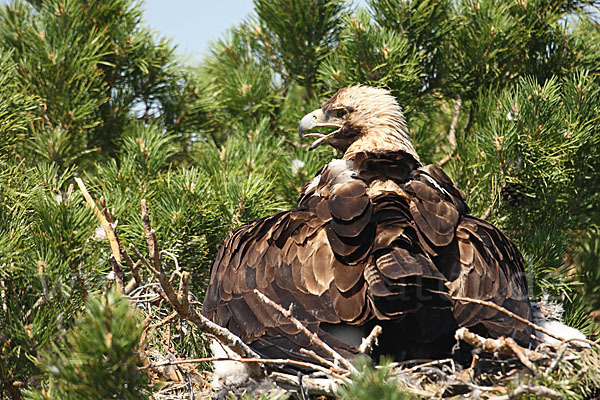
(341, 113)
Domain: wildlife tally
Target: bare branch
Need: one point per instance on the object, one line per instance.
(150, 238)
(181, 303)
(313, 338)
(371, 340)
(315, 386)
(507, 312)
(559, 356)
(588, 341)
(431, 364)
(253, 360)
(320, 359)
(502, 345)
(110, 234)
(525, 321)
(452, 133)
(142, 258)
(541, 391)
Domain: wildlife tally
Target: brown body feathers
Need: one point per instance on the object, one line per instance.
(376, 239)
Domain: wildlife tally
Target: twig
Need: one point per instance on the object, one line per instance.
(320, 359)
(489, 211)
(110, 234)
(137, 279)
(367, 343)
(142, 344)
(559, 356)
(313, 338)
(145, 298)
(142, 258)
(588, 341)
(502, 345)
(314, 386)
(509, 313)
(431, 364)
(181, 304)
(164, 321)
(250, 360)
(452, 133)
(151, 240)
(541, 391)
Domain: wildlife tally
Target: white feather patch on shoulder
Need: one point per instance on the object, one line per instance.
(227, 373)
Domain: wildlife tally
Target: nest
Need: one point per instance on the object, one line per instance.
(501, 369)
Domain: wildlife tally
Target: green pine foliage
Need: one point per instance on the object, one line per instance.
(98, 359)
(89, 91)
(371, 382)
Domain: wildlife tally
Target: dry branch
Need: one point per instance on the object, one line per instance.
(559, 356)
(181, 303)
(452, 133)
(252, 360)
(313, 338)
(110, 234)
(116, 247)
(314, 386)
(525, 321)
(320, 359)
(370, 341)
(541, 391)
(431, 364)
(503, 345)
(509, 313)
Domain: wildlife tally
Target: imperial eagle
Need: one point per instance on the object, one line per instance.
(376, 239)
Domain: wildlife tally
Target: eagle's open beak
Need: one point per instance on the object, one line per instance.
(316, 119)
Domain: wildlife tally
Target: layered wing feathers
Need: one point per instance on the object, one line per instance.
(377, 237)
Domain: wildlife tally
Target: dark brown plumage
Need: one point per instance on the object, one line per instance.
(376, 239)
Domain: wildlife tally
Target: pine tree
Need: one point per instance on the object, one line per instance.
(503, 94)
(101, 347)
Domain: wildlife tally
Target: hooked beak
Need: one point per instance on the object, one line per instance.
(316, 119)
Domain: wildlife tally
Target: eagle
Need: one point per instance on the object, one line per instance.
(376, 239)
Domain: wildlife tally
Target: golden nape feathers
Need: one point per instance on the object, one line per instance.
(376, 239)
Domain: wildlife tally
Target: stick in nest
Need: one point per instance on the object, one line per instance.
(523, 320)
(314, 386)
(280, 361)
(370, 341)
(541, 391)
(503, 345)
(313, 337)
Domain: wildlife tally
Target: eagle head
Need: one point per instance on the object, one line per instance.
(363, 118)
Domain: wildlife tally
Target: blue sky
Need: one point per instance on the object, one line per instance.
(192, 24)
